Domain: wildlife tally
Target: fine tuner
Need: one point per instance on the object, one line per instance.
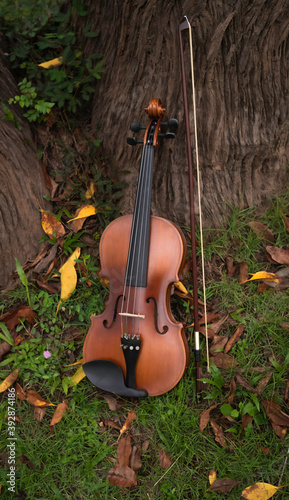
(168, 131)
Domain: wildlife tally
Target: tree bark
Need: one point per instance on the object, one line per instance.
(21, 186)
(241, 78)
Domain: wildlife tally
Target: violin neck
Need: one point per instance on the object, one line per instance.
(137, 262)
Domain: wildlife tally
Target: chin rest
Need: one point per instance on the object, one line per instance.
(108, 376)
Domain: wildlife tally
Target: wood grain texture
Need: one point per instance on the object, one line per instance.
(241, 78)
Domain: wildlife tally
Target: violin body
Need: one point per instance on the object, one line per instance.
(163, 356)
(135, 348)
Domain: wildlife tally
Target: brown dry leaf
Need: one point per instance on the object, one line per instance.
(164, 458)
(39, 413)
(279, 255)
(262, 383)
(246, 420)
(286, 390)
(244, 383)
(50, 183)
(36, 400)
(145, 445)
(112, 402)
(279, 431)
(235, 337)
(131, 416)
(124, 450)
(243, 275)
(218, 343)
(135, 458)
(232, 391)
(285, 325)
(24, 460)
(217, 325)
(230, 266)
(122, 476)
(286, 221)
(205, 417)
(58, 414)
(210, 317)
(275, 414)
(210, 332)
(111, 423)
(21, 394)
(9, 380)
(262, 231)
(224, 485)
(260, 491)
(12, 318)
(219, 434)
(222, 360)
(51, 225)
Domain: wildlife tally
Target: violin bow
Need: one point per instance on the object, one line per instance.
(184, 25)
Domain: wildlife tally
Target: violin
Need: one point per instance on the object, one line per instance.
(136, 348)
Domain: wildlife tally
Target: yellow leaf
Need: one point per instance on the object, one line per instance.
(78, 376)
(50, 224)
(260, 491)
(8, 381)
(86, 211)
(212, 477)
(68, 277)
(58, 414)
(90, 191)
(180, 287)
(53, 62)
(36, 400)
(263, 275)
(79, 362)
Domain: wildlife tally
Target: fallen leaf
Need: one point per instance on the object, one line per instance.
(112, 402)
(68, 276)
(21, 394)
(243, 275)
(36, 400)
(24, 460)
(217, 325)
(9, 380)
(78, 376)
(262, 231)
(124, 450)
(235, 337)
(131, 416)
(210, 318)
(260, 491)
(179, 285)
(205, 417)
(58, 414)
(224, 485)
(230, 266)
(279, 255)
(263, 275)
(79, 362)
(212, 477)
(111, 423)
(244, 383)
(164, 458)
(12, 318)
(222, 360)
(39, 413)
(286, 390)
(218, 343)
(81, 215)
(275, 414)
(122, 476)
(51, 226)
(207, 332)
(52, 63)
(262, 383)
(135, 458)
(89, 193)
(219, 433)
(145, 445)
(246, 420)
(279, 430)
(232, 391)
(286, 221)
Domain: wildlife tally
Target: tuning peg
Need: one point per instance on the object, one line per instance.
(173, 124)
(169, 135)
(133, 141)
(136, 127)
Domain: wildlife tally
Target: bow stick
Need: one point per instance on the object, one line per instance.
(184, 24)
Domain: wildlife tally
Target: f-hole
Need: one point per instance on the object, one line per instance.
(114, 314)
(165, 328)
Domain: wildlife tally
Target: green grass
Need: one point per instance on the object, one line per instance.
(73, 462)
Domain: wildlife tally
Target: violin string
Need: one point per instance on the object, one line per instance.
(199, 194)
(133, 241)
(143, 225)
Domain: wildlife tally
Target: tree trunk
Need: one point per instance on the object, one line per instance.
(241, 77)
(21, 186)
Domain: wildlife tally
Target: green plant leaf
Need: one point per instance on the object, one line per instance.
(21, 273)
(6, 334)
